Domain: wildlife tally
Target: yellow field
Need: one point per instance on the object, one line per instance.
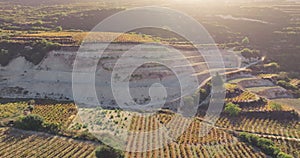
(95, 36)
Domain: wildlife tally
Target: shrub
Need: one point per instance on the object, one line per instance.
(30, 108)
(245, 41)
(30, 122)
(263, 141)
(58, 28)
(272, 67)
(275, 106)
(85, 135)
(283, 155)
(266, 145)
(203, 94)
(36, 123)
(187, 110)
(232, 109)
(286, 85)
(248, 53)
(39, 51)
(104, 151)
(52, 128)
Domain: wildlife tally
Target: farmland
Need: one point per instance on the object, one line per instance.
(57, 78)
(217, 143)
(293, 103)
(27, 144)
(17, 143)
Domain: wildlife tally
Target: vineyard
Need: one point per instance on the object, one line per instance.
(245, 97)
(174, 150)
(26, 144)
(292, 103)
(11, 110)
(288, 146)
(63, 113)
(17, 143)
(286, 128)
(219, 142)
(48, 50)
(268, 76)
(57, 113)
(295, 82)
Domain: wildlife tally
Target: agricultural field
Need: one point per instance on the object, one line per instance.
(42, 42)
(28, 144)
(280, 127)
(61, 114)
(288, 146)
(261, 87)
(245, 97)
(219, 142)
(11, 110)
(235, 81)
(57, 113)
(76, 38)
(18, 143)
(174, 150)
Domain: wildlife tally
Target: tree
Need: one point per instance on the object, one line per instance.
(245, 41)
(188, 109)
(203, 94)
(217, 80)
(104, 151)
(232, 109)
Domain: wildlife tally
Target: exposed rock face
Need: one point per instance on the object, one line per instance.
(52, 78)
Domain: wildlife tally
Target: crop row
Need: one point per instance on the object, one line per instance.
(15, 143)
(244, 97)
(291, 147)
(57, 113)
(12, 109)
(174, 150)
(286, 128)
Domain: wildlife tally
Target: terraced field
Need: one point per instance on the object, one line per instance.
(293, 103)
(75, 38)
(286, 128)
(11, 110)
(57, 113)
(17, 143)
(201, 151)
(261, 87)
(219, 142)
